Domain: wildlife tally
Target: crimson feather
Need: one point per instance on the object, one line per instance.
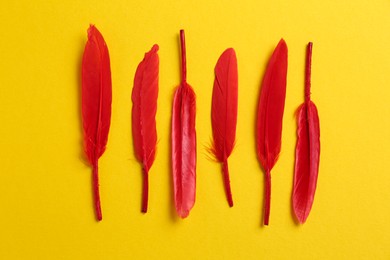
(270, 117)
(144, 97)
(307, 153)
(184, 141)
(224, 113)
(96, 103)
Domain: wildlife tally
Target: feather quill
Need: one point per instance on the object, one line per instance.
(307, 153)
(184, 141)
(96, 104)
(270, 117)
(224, 113)
(144, 97)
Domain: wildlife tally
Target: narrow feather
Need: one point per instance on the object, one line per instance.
(307, 153)
(270, 117)
(184, 142)
(96, 103)
(144, 97)
(224, 112)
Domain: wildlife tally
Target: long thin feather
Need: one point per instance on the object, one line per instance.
(224, 112)
(96, 103)
(184, 142)
(270, 117)
(144, 97)
(307, 153)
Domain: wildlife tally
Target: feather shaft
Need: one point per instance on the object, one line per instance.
(307, 153)
(226, 179)
(96, 104)
(270, 117)
(95, 185)
(184, 141)
(145, 190)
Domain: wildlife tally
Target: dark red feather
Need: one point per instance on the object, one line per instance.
(270, 117)
(144, 97)
(224, 112)
(96, 103)
(184, 142)
(307, 153)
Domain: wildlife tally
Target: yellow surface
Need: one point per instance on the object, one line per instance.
(45, 186)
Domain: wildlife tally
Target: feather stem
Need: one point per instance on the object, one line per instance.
(95, 180)
(145, 190)
(225, 170)
(183, 57)
(267, 201)
(308, 71)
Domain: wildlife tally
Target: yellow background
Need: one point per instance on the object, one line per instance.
(46, 207)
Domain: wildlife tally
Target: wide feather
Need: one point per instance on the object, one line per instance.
(96, 103)
(184, 142)
(270, 117)
(224, 112)
(144, 97)
(307, 153)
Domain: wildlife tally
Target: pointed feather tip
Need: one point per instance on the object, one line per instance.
(229, 51)
(228, 54)
(91, 30)
(300, 215)
(155, 48)
(282, 45)
(183, 213)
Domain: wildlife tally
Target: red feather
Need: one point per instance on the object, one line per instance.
(224, 112)
(307, 151)
(96, 103)
(144, 97)
(184, 142)
(270, 117)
